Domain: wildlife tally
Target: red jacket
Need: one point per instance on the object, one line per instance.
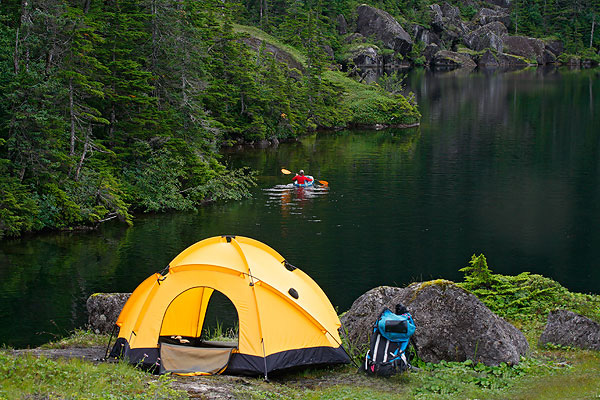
(301, 179)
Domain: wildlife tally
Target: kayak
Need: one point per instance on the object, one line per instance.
(307, 183)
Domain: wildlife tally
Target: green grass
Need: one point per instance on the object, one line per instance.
(27, 376)
(79, 338)
(257, 33)
(555, 374)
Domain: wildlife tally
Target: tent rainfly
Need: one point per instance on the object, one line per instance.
(285, 319)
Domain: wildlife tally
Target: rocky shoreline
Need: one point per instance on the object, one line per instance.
(375, 42)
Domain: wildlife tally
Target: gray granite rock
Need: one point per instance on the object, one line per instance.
(104, 309)
(487, 37)
(374, 22)
(452, 324)
(567, 328)
(451, 59)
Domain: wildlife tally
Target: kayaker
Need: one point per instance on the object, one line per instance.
(301, 179)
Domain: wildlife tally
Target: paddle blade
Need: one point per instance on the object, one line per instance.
(285, 171)
(324, 183)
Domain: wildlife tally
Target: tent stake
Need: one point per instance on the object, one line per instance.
(264, 358)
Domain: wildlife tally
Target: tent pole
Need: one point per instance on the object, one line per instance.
(343, 348)
(237, 246)
(112, 332)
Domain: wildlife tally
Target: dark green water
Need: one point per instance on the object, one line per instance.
(505, 164)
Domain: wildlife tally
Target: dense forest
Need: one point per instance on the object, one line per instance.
(116, 106)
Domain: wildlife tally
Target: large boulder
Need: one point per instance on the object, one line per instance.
(530, 48)
(358, 321)
(488, 60)
(511, 61)
(487, 15)
(104, 309)
(365, 56)
(278, 53)
(451, 59)
(378, 23)
(557, 47)
(437, 17)
(425, 35)
(548, 57)
(494, 60)
(567, 328)
(449, 11)
(430, 51)
(342, 25)
(487, 37)
(446, 22)
(452, 324)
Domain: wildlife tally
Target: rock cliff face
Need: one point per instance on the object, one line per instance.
(452, 324)
(486, 37)
(486, 16)
(374, 22)
(489, 36)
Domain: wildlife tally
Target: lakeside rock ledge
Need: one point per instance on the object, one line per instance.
(452, 324)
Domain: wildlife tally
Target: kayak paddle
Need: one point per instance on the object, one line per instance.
(287, 172)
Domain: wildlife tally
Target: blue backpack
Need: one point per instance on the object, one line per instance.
(390, 339)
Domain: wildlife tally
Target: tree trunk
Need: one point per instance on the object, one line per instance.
(266, 12)
(25, 21)
(72, 116)
(49, 58)
(86, 146)
(154, 37)
(592, 34)
(86, 6)
(16, 57)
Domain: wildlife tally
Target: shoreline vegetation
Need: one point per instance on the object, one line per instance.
(547, 372)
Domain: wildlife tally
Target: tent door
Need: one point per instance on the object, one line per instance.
(193, 360)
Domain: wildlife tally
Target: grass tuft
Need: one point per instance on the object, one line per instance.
(27, 376)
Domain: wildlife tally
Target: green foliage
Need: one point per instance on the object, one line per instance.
(33, 377)
(458, 378)
(18, 210)
(369, 105)
(525, 297)
(155, 182)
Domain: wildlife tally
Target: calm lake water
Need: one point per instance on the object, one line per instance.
(505, 164)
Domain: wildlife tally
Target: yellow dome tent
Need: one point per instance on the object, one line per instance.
(285, 319)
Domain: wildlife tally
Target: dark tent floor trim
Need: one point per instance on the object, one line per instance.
(242, 364)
